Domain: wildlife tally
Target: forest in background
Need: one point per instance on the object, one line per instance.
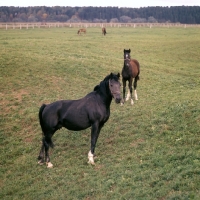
(174, 14)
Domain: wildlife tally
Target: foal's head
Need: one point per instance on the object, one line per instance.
(114, 86)
(127, 54)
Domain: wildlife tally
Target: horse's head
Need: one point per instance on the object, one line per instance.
(114, 86)
(78, 32)
(127, 54)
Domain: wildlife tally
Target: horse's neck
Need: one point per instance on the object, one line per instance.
(105, 93)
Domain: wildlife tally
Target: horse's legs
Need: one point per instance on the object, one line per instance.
(41, 155)
(128, 95)
(130, 91)
(96, 127)
(135, 86)
(47, 142)
(124, 90)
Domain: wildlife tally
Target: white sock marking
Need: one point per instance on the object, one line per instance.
(128, 95)
(135, 94)
(91, 158)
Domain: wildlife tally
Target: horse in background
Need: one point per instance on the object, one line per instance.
(93, 111)
(104, 31)
(130, 71)
(82, 30)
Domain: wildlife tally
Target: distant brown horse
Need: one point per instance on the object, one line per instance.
(104, 31)
(82, 30)
(130, 71)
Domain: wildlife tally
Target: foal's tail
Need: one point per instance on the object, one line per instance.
(138, 78)
(47, 138)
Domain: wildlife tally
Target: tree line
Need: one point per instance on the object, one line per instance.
(174, 14)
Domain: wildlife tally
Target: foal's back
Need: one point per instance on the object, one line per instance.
(135, 68)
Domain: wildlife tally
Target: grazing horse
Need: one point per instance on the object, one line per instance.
(82, 30)
(93, 111)
(130, 71)
(104, 31)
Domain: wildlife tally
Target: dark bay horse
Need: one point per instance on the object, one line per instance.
(82, 30)
(104, 31)
(93, 111)
(130, 71)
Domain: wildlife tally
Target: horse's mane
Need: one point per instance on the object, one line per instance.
(107, 78)
(96, 87)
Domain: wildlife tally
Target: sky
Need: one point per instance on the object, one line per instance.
(102, 3)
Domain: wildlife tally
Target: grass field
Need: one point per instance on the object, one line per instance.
(150, 150)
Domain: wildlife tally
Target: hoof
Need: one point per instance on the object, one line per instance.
(132, 102)
(40, 162)
(91, 162)
(91, 158)
(49, 165)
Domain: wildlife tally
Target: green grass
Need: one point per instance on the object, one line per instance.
(150, 150)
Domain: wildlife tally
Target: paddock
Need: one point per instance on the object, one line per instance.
(149, 150)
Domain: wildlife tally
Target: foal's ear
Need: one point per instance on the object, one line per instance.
(118, 75)
(129, 50)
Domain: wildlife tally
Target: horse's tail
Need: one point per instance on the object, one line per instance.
(40, 117)
(47, 137)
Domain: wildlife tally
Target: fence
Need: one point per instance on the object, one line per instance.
(87, 25)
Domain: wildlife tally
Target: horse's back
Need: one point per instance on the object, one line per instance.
(83, 112)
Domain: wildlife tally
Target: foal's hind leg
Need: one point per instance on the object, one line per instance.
(135, 86)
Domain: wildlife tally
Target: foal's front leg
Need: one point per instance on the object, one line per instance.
(124, 91)
(131, 91)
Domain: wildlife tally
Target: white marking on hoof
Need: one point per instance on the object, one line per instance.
(91, 158)
(40, 162)
(132, 102)
(128, 95)
(135, 94)
(49, 165)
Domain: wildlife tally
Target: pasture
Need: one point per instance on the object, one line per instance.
(150, 150)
